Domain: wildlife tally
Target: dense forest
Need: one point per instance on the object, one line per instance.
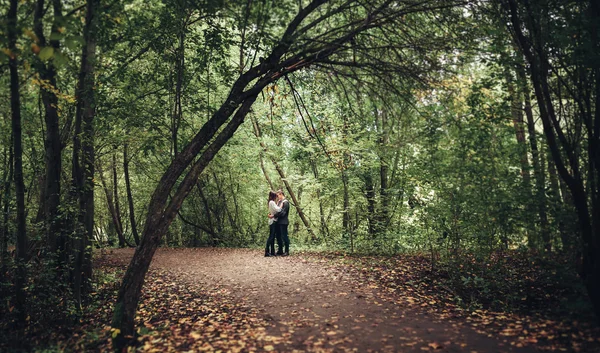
(439, 128)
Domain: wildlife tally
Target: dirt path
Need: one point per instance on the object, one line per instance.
(314, 307)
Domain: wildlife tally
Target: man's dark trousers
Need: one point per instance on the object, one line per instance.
(278, 237)
(283, 230)
(282, 222)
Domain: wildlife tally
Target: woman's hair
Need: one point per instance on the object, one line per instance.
(272, 196)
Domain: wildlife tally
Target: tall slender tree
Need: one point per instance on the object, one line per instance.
(83, 153)
(53, 162)
(130, 204)
(17, 137)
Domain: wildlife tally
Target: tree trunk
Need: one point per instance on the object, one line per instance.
(264, 170)
(115, 186)
(296, 228)
(134, 231)
(127, 300)
(15, 106)
(215, 239)
(384, 141)
(223, 198)
(179, 67)
(258, 134)
(234, 196)
(7, 181)
(295, 200)
(323, 228)
(538, 171)
(346, 223)
(370, 196)
(111, 206)
(559, 211)
(516, 111)
(346, 204)
(53, 148)
(84, 156)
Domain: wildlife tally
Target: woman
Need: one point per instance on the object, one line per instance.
(273, 209)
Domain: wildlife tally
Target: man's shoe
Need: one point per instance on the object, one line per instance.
(279, 254)
(285, 254)
(268, 255)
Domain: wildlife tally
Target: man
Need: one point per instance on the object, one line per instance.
(282, 222)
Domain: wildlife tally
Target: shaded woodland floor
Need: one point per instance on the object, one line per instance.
(236, 300)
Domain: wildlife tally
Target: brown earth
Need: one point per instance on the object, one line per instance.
(309, 305)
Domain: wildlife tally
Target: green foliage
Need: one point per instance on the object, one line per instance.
(387, 149)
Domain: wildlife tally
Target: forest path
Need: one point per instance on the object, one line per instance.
(312, 306)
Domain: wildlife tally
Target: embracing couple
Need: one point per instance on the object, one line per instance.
(279, 208)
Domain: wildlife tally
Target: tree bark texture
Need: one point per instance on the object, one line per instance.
(15, 107)
(7, 182)
(84, 155)
(52, 144)
(115, 185)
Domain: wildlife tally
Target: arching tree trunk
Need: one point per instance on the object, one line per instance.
(156, 226)
(197, 154)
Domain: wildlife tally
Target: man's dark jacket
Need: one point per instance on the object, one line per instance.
(282, 216)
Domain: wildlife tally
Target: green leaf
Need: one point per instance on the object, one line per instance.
(78, 39)
(46, 54)
(72, 43)
(56, 36)
(60, 59)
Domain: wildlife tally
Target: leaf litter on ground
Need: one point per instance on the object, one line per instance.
(518, 298)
